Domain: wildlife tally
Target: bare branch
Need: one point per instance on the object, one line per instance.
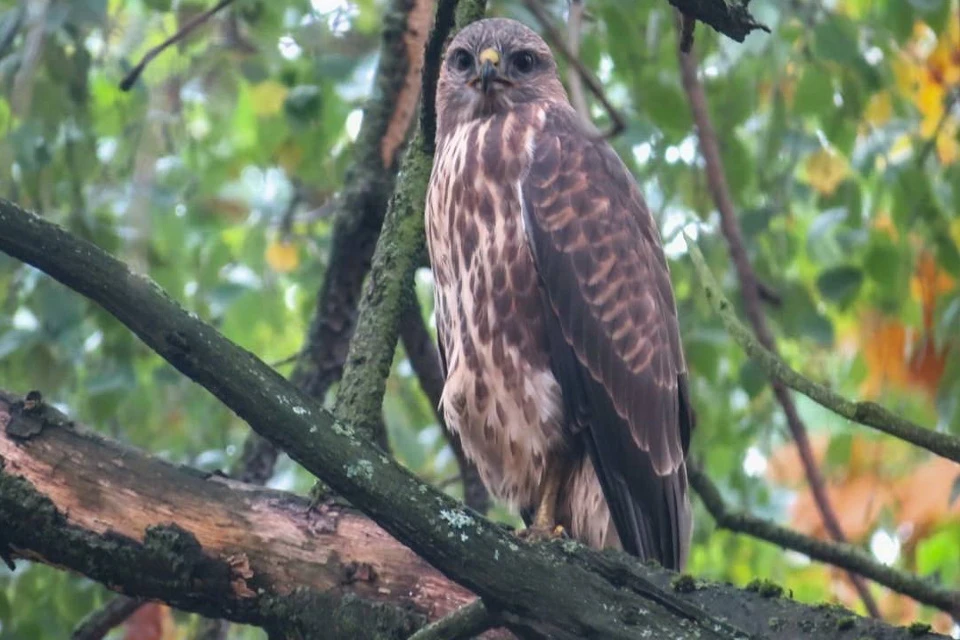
(869, 414)
(128, 80)
(558, 42)
(750, 291)
(840, 555)
(574, 82)
(98, 624)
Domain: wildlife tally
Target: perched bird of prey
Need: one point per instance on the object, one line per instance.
(565, 378)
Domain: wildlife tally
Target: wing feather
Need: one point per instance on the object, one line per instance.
(613, 332)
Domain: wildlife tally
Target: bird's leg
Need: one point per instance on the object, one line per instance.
(544, 525)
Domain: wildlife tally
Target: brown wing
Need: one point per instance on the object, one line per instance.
(614, 340)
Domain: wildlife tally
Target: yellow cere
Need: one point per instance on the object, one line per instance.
(490, 55)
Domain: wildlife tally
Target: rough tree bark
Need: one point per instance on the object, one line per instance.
(269, 543)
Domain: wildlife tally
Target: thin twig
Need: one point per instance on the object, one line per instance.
(730, 225)
(99, 623)
(869, 414)
(181, 33)
(21, 96)
(574, 81)
(468, 621)
(841, 555)
(558, 42)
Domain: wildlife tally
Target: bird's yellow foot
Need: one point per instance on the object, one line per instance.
(534, 533)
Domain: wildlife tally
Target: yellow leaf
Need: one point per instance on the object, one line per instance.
(879, 109)
(942, 65)
(826, 170)
(929, 101)
(948, 149)
(282, 256)
(906, 72)
(268, 97)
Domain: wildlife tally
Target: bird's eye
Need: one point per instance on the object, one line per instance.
(524, 61)
(461, 60)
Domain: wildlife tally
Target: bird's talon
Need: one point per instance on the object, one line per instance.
(534, 533)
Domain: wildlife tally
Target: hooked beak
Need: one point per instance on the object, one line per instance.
(488, 73)
(489, 70)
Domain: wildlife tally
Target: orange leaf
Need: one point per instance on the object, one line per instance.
(282, 256)
(152, 621)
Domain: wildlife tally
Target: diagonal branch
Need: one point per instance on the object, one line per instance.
(840, 555)
(869, 414)
(127, 83)
(749, 290)
(98, 624)
(556, 39)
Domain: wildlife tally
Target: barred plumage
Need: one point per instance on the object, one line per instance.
(565, 376)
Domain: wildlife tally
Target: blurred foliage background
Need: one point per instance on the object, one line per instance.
(214, 174)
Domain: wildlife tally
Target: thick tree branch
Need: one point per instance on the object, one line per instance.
(750, 291)
(840, 555)
(213, 545)
(146, 528)
(869, 414)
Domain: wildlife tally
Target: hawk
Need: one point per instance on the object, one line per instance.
(564, 374)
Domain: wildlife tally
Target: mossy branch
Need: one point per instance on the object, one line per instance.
(869, 414)
(466, 622)
(841, 555)
(389, 287)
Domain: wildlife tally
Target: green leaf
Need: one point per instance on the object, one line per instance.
(752, 378)
(835, 39)
(839, 449)
(814, 93)
(939, 555)
(303, 103)
(16, 339)
(840, 285)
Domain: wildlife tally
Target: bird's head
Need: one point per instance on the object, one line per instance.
(492, 66)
